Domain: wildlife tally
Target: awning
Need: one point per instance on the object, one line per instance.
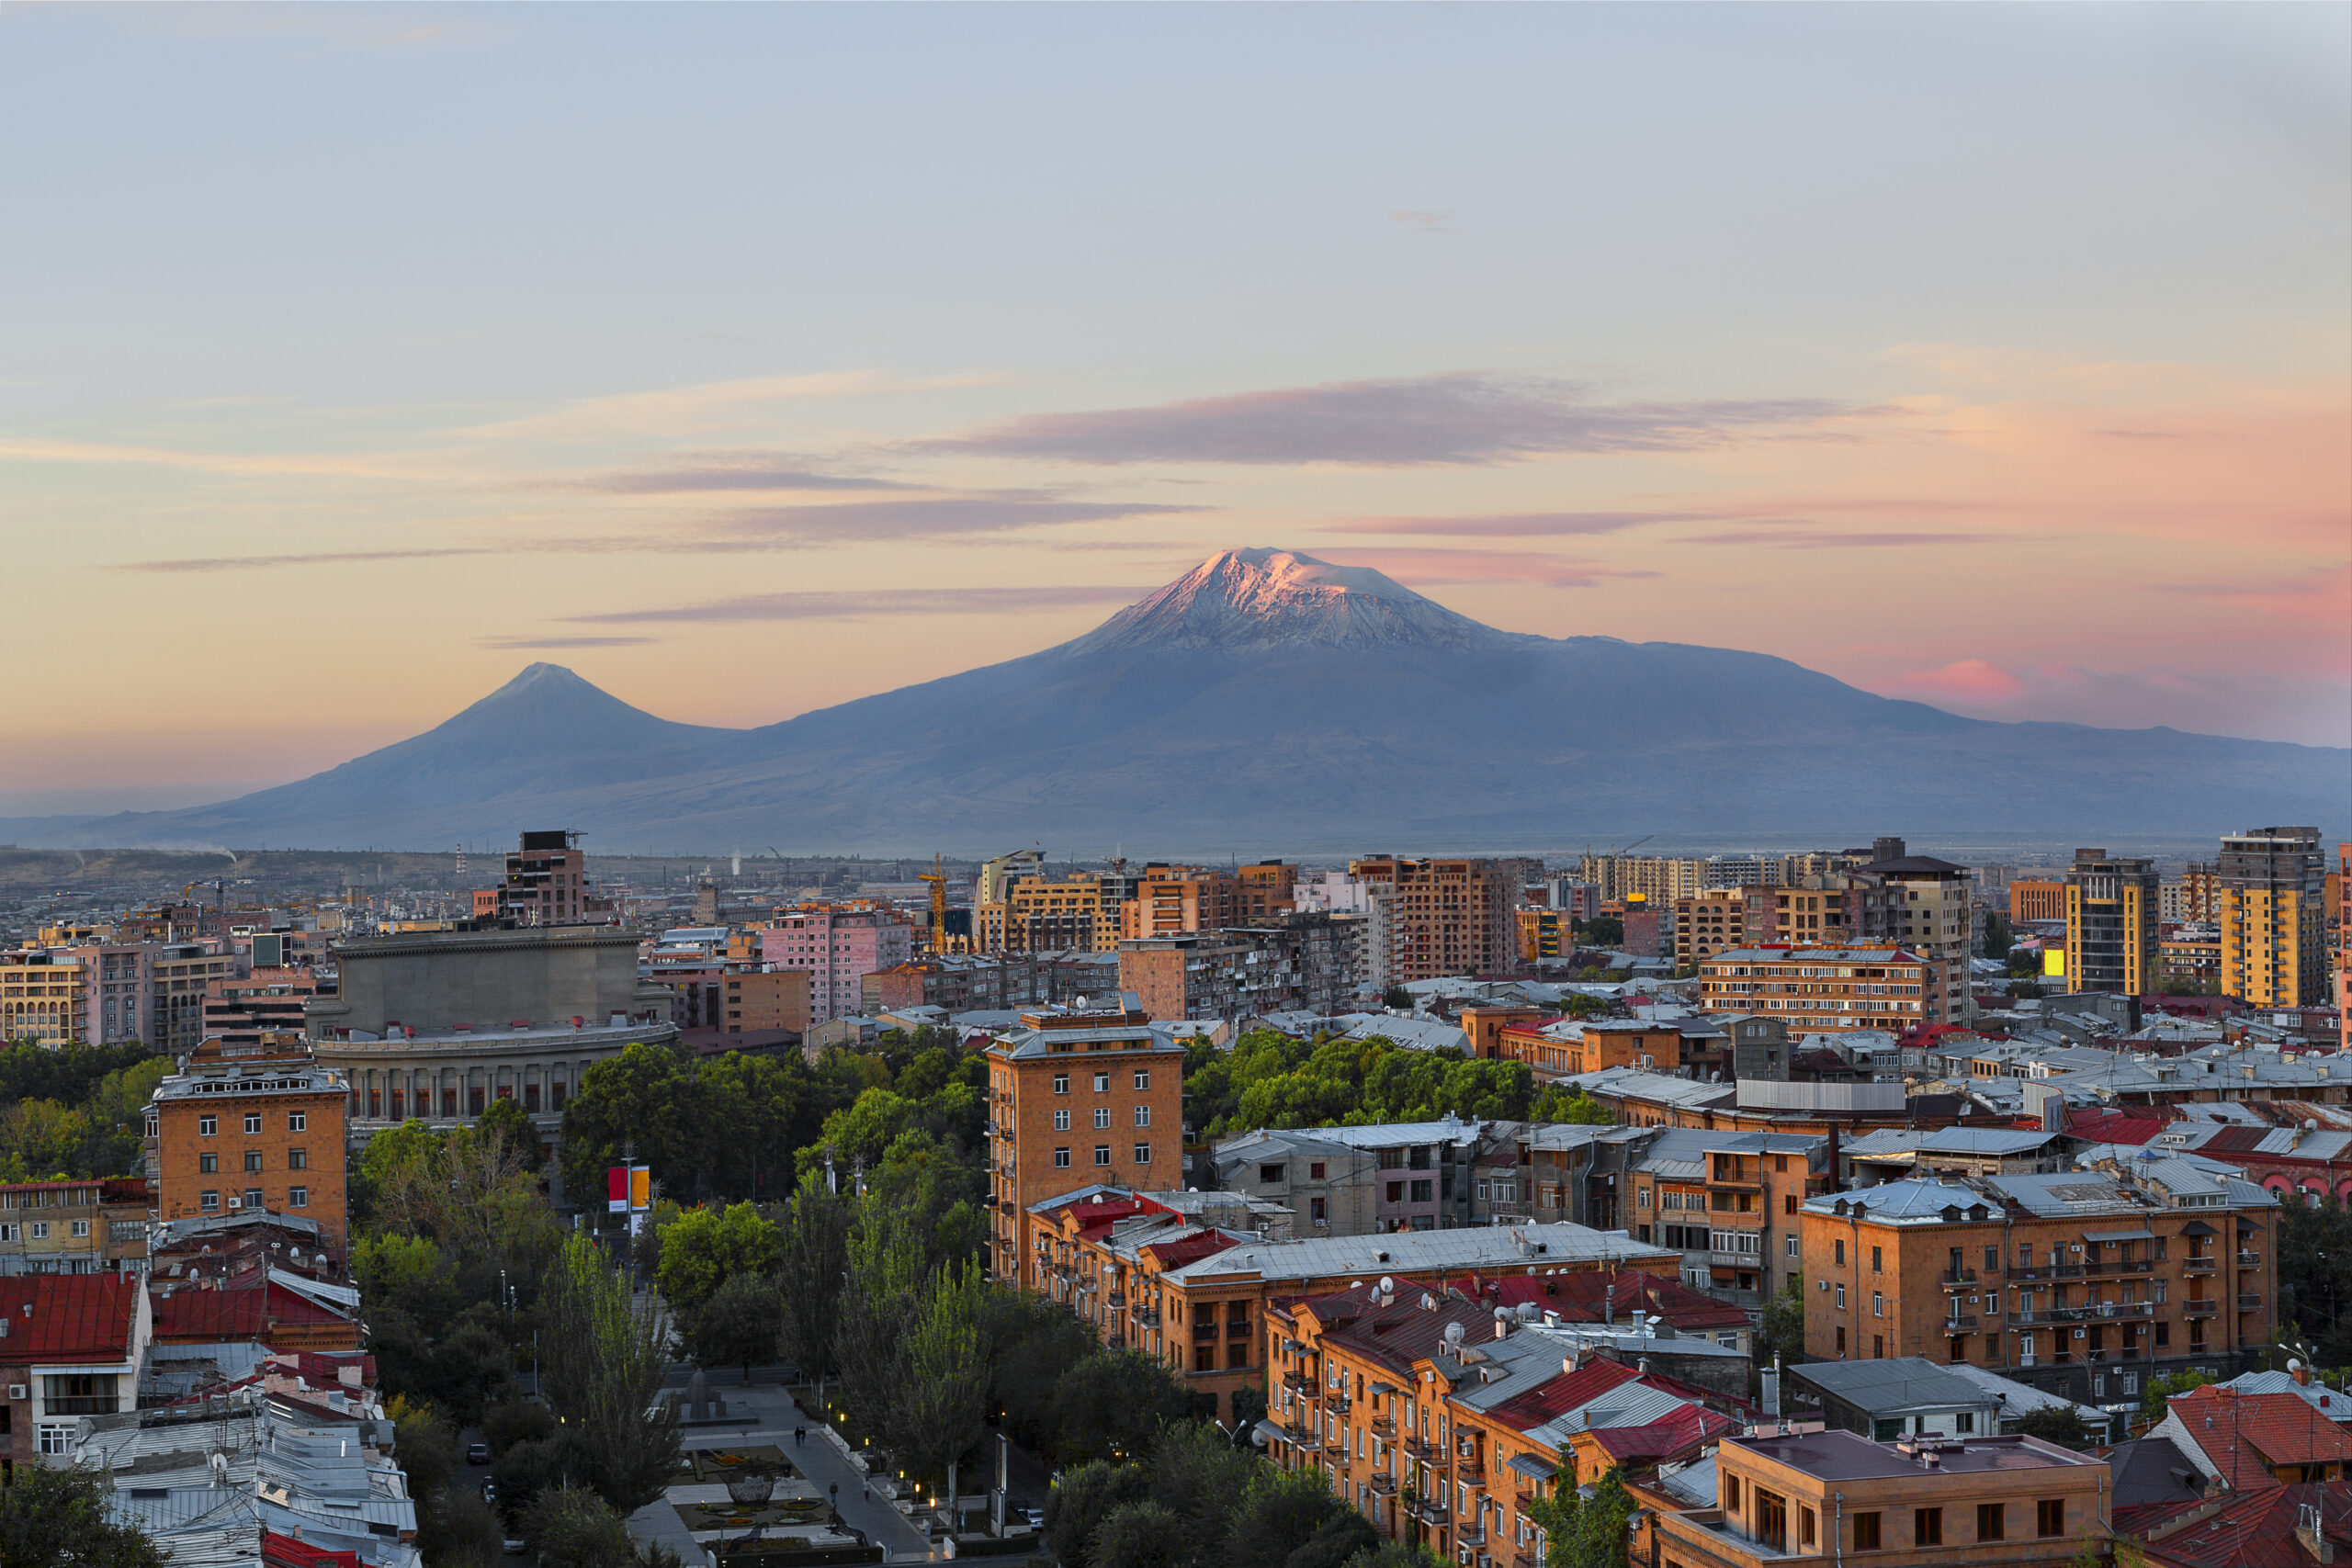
(1270, 1434)
(2198, 1227)
(1532, 1467)
(1382, 1388)
(2120, 1236)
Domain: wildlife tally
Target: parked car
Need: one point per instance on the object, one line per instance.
(1034, 1517)
(478, 1453)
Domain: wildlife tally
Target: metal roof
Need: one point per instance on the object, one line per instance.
(1893, 1384)
(1533, 1248)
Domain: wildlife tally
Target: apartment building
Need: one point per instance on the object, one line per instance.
(74, 1228)
(270, 1000)
(2082, 1282)
(1441, 1415)
(1925, 1502)
(1076, 1100)
(1654, 879)
(1708, 923)
(2194, 895)
(2273, 914)
(2111, 924)
(1728, 1202)
(1925, 905)
(546, 883)
(1153, 1272)
(1311, 964)
(1399, 1176)
(233, 1136)
(42, 1000)
(72, 1348)
(1038, 913)
(1827, 989)
(2037, 901)
(1443, 917)
(767, 999)
(2344, 940)
(837, 945)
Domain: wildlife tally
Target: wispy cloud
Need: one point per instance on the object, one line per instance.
(930, 517)
(1830, 539)
(857, 604)
(525, 642)
(1516, 524)
(2281, 707)
(1470, 417)
(320, 558)
(704, 471)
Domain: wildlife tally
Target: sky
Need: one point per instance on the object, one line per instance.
(750, 359)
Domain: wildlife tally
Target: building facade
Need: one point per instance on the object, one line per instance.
(75, 1228)
(242, 1136)
(2273, 916)
(1827, 988)
(2111, 912)
(1444, 917)
(837, 945)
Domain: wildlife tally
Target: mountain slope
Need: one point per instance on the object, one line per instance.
(1270, 699)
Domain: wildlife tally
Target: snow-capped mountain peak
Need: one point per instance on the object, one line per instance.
(1241, 600)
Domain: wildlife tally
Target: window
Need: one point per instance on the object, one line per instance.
(1989, 1520)
(1877, 1260)
(1642, 1199)
(1314, 1171)
(1102, 1154)
(1270, 1175)
(1787, 1203)
(252, 1197)
(11, 1233)
(1061, 1159)
(1061, 1083)
(56, 1440)
(1865, 1532)
(1731, 1493)
(1101, 1083)
(1315, 1210)
(1424, 1191)
(298, 1159)
(252, 1159)
(1842, 1297)
(1805, 1528)
(1143, 1078)
(207, 1125)
(298, 1121)
(1061, 1121)
(1841, 1343)
(1964, 1423)
(1927, 1527)
(81, 1228)
(1878, 1304)
(1780, 1164)
(1143, 1115)
(40, 1230)
(210, 1203)
(2050, 1517)
(1792, 1246)
(1992, 1259)
(253, 1121)
(1102, 1116)
(207, 1164)
(1878, 1347)
(1395, 1191)
(1143, 1154)
(1841, 1254)
(297, 1197)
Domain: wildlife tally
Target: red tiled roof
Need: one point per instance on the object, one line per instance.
(67, 1318)
(285, 1552)
(1566, 1392)
(1188, 1249)
(248, 1312)
(2245, 1434)
(1666, 1436)
(2104, 1125)
(1580, 1297)
(2257, 1530)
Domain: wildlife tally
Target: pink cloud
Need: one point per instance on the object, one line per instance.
(2310, 709)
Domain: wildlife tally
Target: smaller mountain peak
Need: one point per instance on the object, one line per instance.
(1261, 598)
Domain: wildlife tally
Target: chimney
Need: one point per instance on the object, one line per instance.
(2302, 1374)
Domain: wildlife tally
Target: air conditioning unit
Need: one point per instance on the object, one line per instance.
(16, 1391)
(2078, 1334)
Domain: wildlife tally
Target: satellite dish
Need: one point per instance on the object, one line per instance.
(1386, 1284)
(1453, 1334)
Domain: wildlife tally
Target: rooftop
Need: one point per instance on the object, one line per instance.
(1834, 1455)
(1482, 1248)
(1893, 1384)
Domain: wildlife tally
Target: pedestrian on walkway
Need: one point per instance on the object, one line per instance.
(800, 1437)
(867, 1490)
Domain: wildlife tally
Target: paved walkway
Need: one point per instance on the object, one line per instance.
(769, 1417)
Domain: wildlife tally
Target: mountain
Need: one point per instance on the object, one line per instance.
(1267, 699)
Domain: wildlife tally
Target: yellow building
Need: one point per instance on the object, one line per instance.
(42, 998)
(2273, 915)
(2111, 924)
(1039, 914)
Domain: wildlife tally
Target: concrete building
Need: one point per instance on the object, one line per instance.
(2194, 895)
(1311, 964)
(41, 999)
(2111, 924)
(1708, 923)
(1401, 1176)
(2035, 901)
(1727, 1202)
(1901, 1396)
(1928, 907)
(1827, 989)
(75, 1228)
(2273, 914)
(1923, 1503)
(2081, 1282)
(73, 1351)
(1444, 917)
(765, 998)
(1076, 1100)
(545, 884)
(838, 945)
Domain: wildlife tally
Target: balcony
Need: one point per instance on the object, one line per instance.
(1383, 1427)
(1204, 1334)
(2047, 1271)
(2200, 1308)
(1301, 1384)
(1429, 1510)
(1957, 1279)
(1384, 1483)
(1145, 1317)
(1425, 1450)
(1114, 1299)
(2249, 1261)
(2199, 1265)
(1471, 1533)
(2249, 1302)
(2131, 1265)
(1469, 1472)
(1959, 1324)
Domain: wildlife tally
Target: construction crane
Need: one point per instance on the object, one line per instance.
(937, 877)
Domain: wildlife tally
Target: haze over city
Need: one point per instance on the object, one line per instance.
(748, 361)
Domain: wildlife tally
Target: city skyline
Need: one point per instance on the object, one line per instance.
(751, 361)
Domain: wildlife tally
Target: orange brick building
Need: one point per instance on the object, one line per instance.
(232, 1136)
(1076, 1100)
(2037, 901)
(1838, 1496)
(1446, 917)
(1825, 987)
(765, 998)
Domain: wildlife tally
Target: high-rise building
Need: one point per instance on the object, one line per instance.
(2344, 940)
(2274, 918)
(838, 945)
(2194, 895)
(2032, 898)
(1076, 1099)
(1824, 988)
(2111, 924)
(547, 881)
(1445, 917)
(1927, 906)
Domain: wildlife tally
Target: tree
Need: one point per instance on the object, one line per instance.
(1395, 1554)
(422, 1445)
(608, 1355)
(533, 1466)
(885, 1270)
(1285, 1509)
(814, 1254)
(458, 1528)
(505, 1121)
(707, 1245)
(575, 1527)
(738, 1325)
(1397, 998)
(1082, 1500)
(1031, 1342)
(1781, 1337)
(1196, 1475)
(514, 1420)
(1138, 1535)
(2155, 1403)
(938, 1414)
(1112, 1404)
(1602, 930)
(2059, 1423)
(1585, 1533)
(2314, 1246)
(1572, 1106)
(63, 1517)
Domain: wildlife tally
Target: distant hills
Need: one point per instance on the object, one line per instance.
(1268, 698)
